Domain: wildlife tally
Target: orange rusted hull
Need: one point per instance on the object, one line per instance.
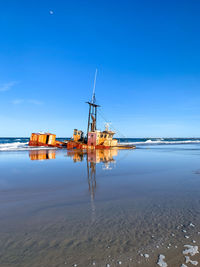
(79, 145)
(49, 140)
(45, 140)
(35, 143)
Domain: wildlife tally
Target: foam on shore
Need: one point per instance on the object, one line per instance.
(192, 250)
(19, 146)
(161, 261)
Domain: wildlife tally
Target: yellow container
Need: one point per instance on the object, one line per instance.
(51, 139)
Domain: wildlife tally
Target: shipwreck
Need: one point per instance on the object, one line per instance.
(94, 138)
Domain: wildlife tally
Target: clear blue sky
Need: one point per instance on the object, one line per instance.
(147, 54)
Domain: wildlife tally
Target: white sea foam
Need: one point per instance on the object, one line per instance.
(161, 261)
(18, 146)
(163, 142)
(150, 141)
(13, 146)
(192, 250)
(188, 260)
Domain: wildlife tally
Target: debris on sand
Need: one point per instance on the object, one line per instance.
(161, 261)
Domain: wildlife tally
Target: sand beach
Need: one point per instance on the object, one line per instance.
(115, 208)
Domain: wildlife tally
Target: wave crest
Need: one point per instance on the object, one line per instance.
(164, 142)
(19, 146)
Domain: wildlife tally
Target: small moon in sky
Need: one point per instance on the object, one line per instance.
(51, 12)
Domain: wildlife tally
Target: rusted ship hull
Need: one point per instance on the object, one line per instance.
(79, 145)
(32, 143)
(76, 145)
(45, 140)
(49, 140)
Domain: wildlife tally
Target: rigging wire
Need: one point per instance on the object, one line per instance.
(113, 128)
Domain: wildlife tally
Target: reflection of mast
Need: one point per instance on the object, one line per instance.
(94, 156)
(91, 170)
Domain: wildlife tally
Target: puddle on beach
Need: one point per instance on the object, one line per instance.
(102, 208)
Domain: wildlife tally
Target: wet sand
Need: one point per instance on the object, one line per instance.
(118, 209)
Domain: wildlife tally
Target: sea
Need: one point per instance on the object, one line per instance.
(104, 208)
(21, 143)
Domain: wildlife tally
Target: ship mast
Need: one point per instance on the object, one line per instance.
(92, 117)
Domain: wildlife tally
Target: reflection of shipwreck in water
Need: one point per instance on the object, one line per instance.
(93, 157)
(92, 184)
(43, 154)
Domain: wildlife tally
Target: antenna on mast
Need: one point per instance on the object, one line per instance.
(94, 86)
(92, 117)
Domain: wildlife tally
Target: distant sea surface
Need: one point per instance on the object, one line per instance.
(21, 143)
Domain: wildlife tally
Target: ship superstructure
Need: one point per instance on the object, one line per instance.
(94, 139)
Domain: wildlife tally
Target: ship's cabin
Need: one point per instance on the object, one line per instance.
(77, 135)
(101, 138)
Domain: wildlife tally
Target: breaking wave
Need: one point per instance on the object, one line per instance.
(163, 142)
(18, 146)
(13, 146)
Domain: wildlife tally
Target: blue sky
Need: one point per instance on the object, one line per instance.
(148, 59)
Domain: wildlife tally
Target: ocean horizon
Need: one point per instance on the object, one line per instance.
(21, 143)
